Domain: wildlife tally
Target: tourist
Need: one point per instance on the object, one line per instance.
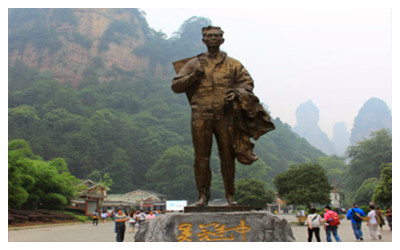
(132, 222)
(150, 215)
(95, 218)
(104, 216)
(120, 219)
(372, 224)
(140, 217)
(356, 216)
(381, 221)
(313, 221)
(331, 225)
(388, 215)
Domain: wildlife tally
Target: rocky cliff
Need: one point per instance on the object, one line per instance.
(307, 115)
(373, 116)
(67, 42)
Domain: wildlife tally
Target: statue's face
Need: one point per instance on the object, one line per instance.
(213, 38)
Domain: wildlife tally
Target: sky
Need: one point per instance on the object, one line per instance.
(337, 58)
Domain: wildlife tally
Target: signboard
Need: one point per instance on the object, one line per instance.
(176, 205)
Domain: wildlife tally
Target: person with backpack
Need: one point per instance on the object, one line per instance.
(356, 215)
(95, 218)
(313, 222)
(332, 222)
(381, 221)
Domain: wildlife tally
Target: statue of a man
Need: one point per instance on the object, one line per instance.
(219, 90)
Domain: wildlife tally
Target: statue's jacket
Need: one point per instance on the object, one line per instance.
(206, 95)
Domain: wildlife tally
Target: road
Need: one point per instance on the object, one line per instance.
(86, 232)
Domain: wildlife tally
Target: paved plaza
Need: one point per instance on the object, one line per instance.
(345, 231)
(86, 232)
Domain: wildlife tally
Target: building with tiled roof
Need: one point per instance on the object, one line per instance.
(141, 199)
(91, 198)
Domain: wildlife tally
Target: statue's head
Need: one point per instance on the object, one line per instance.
(213, 36)
(205, 29)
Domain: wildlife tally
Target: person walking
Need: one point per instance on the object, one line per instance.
(372, 224)
(380, 220)
(95, 218)
(132, 222)
(120, 219)
(356, 216)
(313, 222)
(332, 222)
(388, 215)
(104, 216)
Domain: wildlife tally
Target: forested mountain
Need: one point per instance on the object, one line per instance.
(373, 116)
(92, 86)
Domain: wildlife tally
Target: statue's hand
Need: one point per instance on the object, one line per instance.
(198, 71)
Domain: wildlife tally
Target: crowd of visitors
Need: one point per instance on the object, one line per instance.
(331, 221)
(121, 217)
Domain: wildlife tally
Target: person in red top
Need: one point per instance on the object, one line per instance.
(150, 215)
(328, 227)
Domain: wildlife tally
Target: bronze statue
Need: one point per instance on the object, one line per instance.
(220, 92)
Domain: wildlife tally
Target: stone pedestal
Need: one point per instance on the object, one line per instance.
(249, 226)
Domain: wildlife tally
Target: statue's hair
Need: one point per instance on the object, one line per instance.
(205, 29)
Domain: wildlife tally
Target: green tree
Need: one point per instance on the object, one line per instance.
(104, 179)
(121, 171)
(19, 177)
(252, 192)
(303, 184)
(258, 171)
(35, 183)
(366, 157)
(335, 168)
(173, 175)
(23, 119)
(364, 193)
(383, 193)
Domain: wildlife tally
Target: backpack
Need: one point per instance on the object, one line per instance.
(334, 220)
(315, 222)
(357, 216)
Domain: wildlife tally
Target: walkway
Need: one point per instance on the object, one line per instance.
(77, 232)
(345, 231)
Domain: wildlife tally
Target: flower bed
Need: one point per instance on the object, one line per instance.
(18, 217)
